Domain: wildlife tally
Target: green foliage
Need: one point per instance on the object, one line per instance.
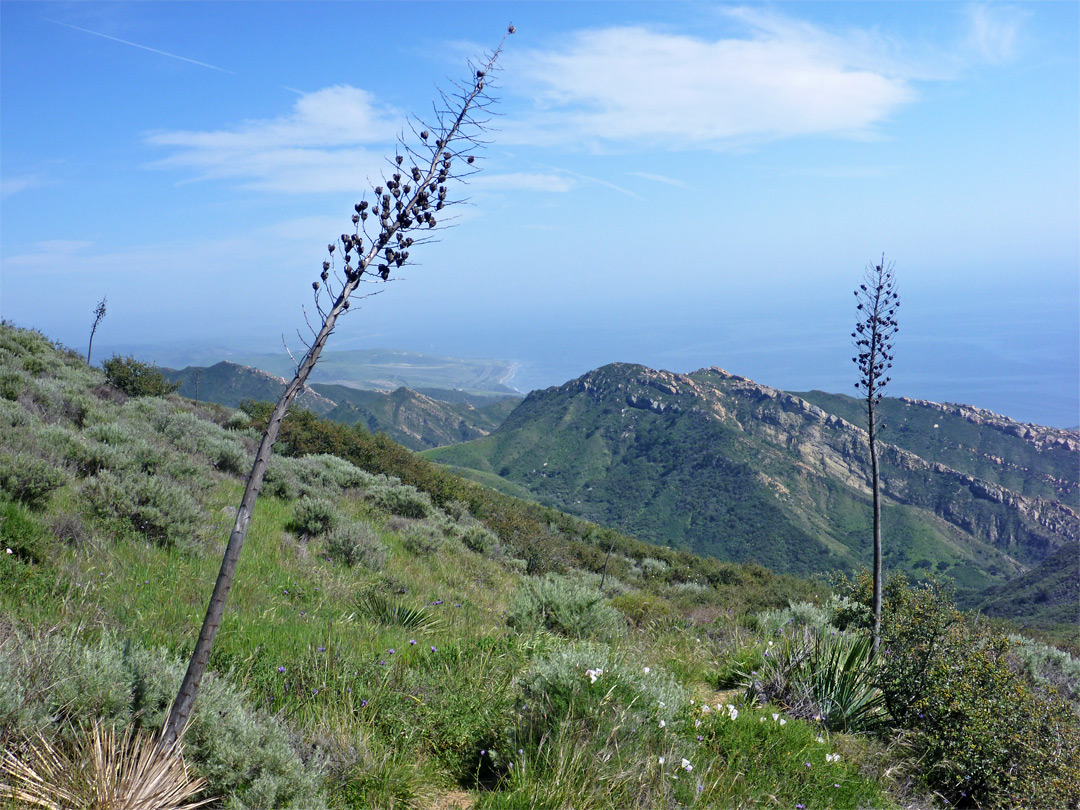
(154, 506)
(823, 675)
(404, 501)
(356, 544)
(247, 757)
(396, 613)
(565, 606)
(28, 479)
(314, 517)
(21, 536)
(136, 379)
(986, 736)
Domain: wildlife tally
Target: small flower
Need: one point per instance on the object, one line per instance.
(594, 674)
(662, 724)
(281, 669)
(412, 642)
(775, 717)
(392, 651)
(686, 766)
(700, 738)
(646, 670)
(697, 724)
(705, 708)
(800, 807)
(821, 739)
(363, 703)
(9, 551)
(661, 760)
(807, 764)
(320, 649)
(434, 649)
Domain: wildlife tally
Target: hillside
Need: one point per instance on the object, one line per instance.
(719, 465)
(398, 637)
(230, 384)
(418, 420)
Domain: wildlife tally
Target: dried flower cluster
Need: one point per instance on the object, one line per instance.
(877, 304)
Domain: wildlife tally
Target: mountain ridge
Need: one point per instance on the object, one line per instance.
(779, 450)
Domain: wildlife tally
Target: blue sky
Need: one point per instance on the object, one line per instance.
(675, 184)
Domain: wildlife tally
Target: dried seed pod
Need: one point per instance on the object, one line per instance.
(384, 272)
(511, 30)
(470, 160)
(378, 191)
(315, 285)
(424, 134)
(416, 174)
(330, 247)
(358, 208)
(355, 219)
(399, 158)
(326, 265)
(345, 305)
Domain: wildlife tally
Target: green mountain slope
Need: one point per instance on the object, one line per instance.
(720, 465)
(1047, 596)
(230, 384)
(417, 420)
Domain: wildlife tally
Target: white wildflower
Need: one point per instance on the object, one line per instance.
(686, 766)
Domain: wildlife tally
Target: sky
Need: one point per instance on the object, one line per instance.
(680, 185)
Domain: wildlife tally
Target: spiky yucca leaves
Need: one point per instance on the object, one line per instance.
(103, 771)
(824, 675)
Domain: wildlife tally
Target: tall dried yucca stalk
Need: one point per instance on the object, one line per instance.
(102, 771)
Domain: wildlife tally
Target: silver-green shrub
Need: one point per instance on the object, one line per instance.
(356, 544)
(565, 606)
(248, 757)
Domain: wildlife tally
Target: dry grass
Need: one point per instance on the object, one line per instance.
(102, 770)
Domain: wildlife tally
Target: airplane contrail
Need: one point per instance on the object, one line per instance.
(137, 45)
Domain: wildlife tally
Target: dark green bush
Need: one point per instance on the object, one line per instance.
(136, 379)
(988, 739)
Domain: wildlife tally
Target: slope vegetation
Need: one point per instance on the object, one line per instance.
(722, 466)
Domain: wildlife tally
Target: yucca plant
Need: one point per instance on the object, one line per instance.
(102, 770)
(389, 611)
(822, 675)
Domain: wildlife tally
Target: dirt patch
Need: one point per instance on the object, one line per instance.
(454, 800)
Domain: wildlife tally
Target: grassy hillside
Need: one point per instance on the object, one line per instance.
(399, 637)
(721, 466)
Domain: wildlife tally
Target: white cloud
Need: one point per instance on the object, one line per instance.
(13, 185)
(993, 33)
(630, 83)
(659, 178)
(331, 141)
